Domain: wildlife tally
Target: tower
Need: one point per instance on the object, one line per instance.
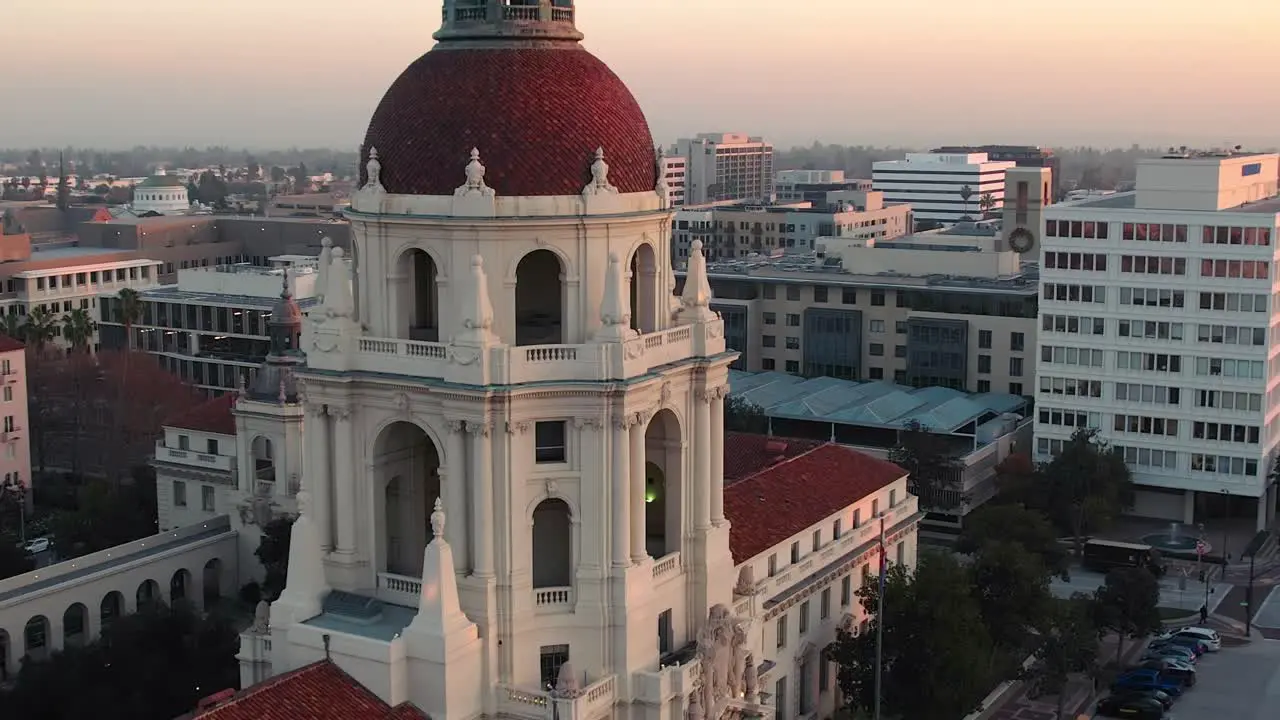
(506, 340)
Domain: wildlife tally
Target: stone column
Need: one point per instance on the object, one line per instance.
(620, 492)
(344, 479)
(482, 504)
(316, 472)
(717, 457)
(638, 550)
(702, 459)
(454, 488)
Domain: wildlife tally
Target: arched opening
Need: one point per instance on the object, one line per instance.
(75, 626)
(264, 460)
(644, 290)
(552, 544)
(419, 296)
(178, 586)
(4, 656)
(407, 466)
(112, 608)
(212, 582)
(35, 638)
(664, 487)
(540, 299)
(148, 595)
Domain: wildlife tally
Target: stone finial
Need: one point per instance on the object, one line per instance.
(475, 178)
(477, 311)
(337, 295)
(322, 267)
(437, 520)
(599, 184)
(283, 395)
(695, 301)
(304, 503)
(661, 161)
(374, 170)
(241, 388)
(615, 309)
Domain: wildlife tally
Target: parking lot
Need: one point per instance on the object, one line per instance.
(1239, 683)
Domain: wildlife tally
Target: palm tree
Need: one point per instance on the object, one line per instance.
(966, 192)
(78, 329)
(128, 313)
(986, 201)
(41, 327)
(12, 325)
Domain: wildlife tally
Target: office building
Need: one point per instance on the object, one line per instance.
(943, 188)
(1158, 312)
(674, 170)
(1024, 156)
(726, 166)
(821, 188)
(15, 433)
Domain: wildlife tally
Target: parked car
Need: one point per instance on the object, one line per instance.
(1142, 680)
(1197, 645)
(1168, 667)
(38, 545)
(1136, 707)
(1166, 700)
(1174, 652)
(1208, 636)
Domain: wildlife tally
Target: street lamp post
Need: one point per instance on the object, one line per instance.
(1226, 515)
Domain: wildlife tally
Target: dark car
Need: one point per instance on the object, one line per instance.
(1131, 706)
(1175, 652)
(1170, 668)
(1166, 700)
(1145, 680)
(1197, 646)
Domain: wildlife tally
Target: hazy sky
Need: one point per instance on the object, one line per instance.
(276, 73)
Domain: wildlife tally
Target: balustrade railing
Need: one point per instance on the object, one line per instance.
(666, 565)
(553, 597)
(399, 589)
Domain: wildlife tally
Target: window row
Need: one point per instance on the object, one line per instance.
(1065, 292)
(1152, 297)
(1224, 367)
(1150, 329)
(1145, 425)
(1153, 265)
(1070, 387)
(1233, 302)
(1224, 465)
(1151, 394)
(1073, 324)
(1148, 362)
(1147, 457)
(1088, 229)
(1229, 400)
(1226, 432)
(1246, 269)
(1069, 418)
(1154, 232)
(1091, 262)
(1061, 355)
(1231, 235)
(1231, 335)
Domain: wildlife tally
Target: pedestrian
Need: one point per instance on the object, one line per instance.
(1204, 614)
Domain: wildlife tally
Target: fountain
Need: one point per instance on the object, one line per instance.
(1173, 540)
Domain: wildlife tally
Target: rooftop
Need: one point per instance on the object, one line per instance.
(799, 484)
(1128, 201)
(868, 404)
(8, 344)
(175, 294)
(212, 416)
(319, 691)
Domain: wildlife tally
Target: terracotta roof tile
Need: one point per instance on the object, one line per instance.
(746, 454)
(8, 344)
(777, 501)
(537, 116)
(213, 416)
(319, 691)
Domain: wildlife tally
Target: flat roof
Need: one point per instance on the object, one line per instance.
(173, 293)
(1127, 201)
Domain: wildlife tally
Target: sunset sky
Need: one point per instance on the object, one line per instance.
(270, 73)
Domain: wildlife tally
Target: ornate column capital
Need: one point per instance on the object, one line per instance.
(712, 393)
(481, 428)
(340, 412)
(587, 423)
(518, 426)
(316, 409)
(456, 426)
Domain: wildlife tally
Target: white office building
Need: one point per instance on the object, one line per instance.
(726, 166)
(936, 184)
(674, 169)
(1157, 313)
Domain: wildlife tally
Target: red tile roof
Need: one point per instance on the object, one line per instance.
(213, 416)
(809, 483)
(536, 115)
(8, 344)
(319, 691)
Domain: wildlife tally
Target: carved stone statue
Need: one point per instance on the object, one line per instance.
(261, 618)
(599, 184)
(716, 651)
(322, 267)
(475, 178)
(337, 293)
(746, 582)
(751, 681)
(737, 670)
(567, 682)
(374, 170)
(695, 711)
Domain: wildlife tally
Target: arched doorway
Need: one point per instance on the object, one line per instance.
(178, 586)
(35, 638)
(664, 486)
(264, 461)
(540, 299)
(552, 544)
(148, 595)
(112, 607)
(75, 626)
(419, 300)
(212, 582)
(644, 290)
(407, 467)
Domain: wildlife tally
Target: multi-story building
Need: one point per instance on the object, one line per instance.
(822, 188)
(211, 327)
(674, 170)
(882, 311)
(1158, 321)
(737, 230)
(726, 166)
(15, 441)
(1022, 155)
(936, 185)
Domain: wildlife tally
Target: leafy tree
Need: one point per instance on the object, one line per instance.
(1068, 645)
(742, 415)
(13, 558)
(932, 629)
(277, 174)
(1011, 587)
(986, 201)
(107, 515)
(158, 663)
(936, 473)
(12, 325)
(1016, 524)
(211, 189)
(273, 553)
(40, 328)
(1128, 604)
(78, 328)
(301, 177)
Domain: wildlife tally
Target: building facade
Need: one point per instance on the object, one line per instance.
(161, 194)
(1157, 317)
(15, 438)
(674, 171)
(819, 187)
(1028, 156)
(726, 166)
(936, 184)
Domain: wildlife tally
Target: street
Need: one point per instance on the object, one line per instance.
(1240, 683)
(1173, 592)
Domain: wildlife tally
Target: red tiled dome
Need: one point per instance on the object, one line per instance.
(537, 116)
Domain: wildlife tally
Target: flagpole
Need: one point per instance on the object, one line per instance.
(880, 620)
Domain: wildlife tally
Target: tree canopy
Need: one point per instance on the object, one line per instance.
(273, 553)
(1068, 646)
(936, 473)
(1011, 587)
(1017, 524)
(742, 415)
(1128, 604)
(154, 665)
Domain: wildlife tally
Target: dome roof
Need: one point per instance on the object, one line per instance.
(537, 114)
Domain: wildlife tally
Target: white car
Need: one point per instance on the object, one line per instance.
(1209, 637)
(38, 545)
